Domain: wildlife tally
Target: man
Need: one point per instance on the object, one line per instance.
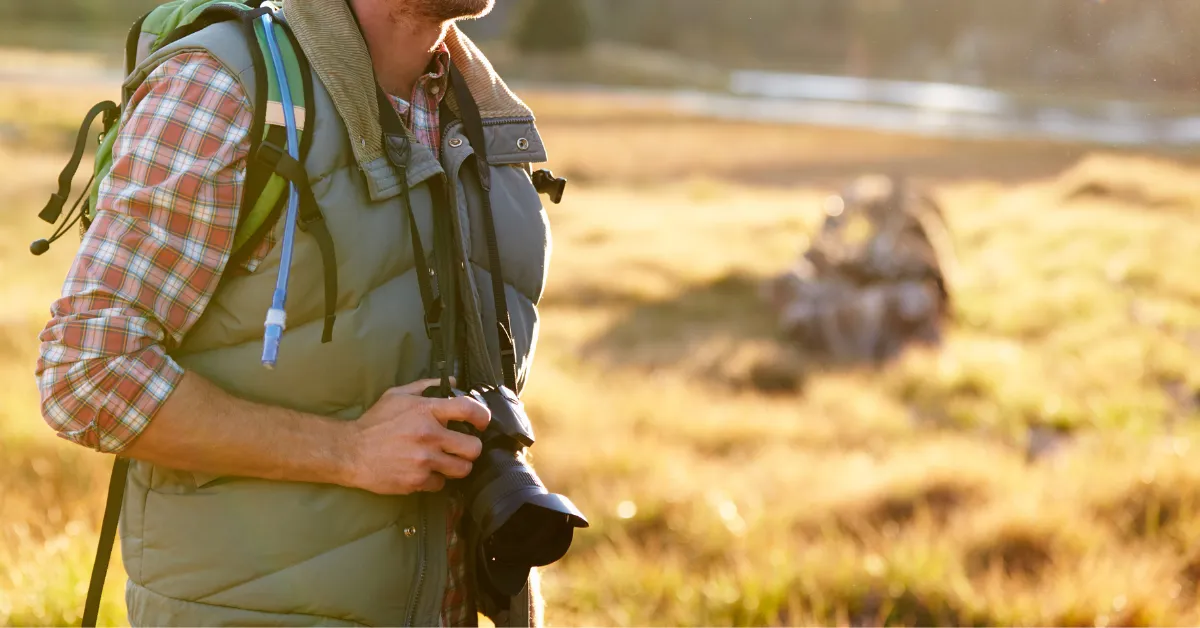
(315, 493)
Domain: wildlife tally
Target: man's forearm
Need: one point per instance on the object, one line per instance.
(203, 429)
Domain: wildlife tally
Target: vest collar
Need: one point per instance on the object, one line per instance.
(329, 36)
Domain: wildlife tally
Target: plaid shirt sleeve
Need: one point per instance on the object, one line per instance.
(151, 260)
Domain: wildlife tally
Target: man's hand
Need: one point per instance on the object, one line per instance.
(402, 445)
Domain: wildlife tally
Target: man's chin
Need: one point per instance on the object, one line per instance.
(484, 7)
(451, 10)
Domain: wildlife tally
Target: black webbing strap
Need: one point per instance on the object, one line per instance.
(58, 200)
(310, 220)
(443, 264)
(108, 536)
(473, 126)
(131, 44)
(399, 151)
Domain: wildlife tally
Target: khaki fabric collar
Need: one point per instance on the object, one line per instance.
(329, 36)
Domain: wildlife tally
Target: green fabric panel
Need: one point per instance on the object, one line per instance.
(276, 187)
(104, 161)
(273, 93)
(172, 15)
(290, 64)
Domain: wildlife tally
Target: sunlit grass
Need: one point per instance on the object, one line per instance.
(900, 497)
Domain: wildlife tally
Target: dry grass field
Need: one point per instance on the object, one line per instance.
(902, 497)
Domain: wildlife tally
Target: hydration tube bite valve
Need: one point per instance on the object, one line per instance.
(277, 316)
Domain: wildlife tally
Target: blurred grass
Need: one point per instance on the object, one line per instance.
(906, 497)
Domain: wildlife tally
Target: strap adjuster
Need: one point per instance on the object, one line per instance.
(398, 149)
(305, 220)
(270, 154)
(433, 318)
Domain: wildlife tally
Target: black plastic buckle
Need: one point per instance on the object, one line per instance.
(111, 115)
(546, 183)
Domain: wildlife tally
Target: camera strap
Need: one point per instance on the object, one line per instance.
(473, 127)
(399, 149)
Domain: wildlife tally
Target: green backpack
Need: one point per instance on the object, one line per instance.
(266, 188)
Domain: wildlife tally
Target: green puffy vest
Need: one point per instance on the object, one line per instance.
(203, 550)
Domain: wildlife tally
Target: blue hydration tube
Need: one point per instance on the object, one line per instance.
(277, 316)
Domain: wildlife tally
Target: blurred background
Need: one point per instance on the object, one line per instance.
(1026, 455)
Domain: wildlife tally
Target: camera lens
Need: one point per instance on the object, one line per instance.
(520, 523)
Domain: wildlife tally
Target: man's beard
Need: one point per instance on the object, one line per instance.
(446, 10)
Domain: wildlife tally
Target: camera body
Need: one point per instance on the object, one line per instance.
(518, 523)
(509, 420)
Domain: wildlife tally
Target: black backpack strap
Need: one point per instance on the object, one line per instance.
(473, 127)
(58, 200)
(132, 40)
(108, 536)
(54, 207)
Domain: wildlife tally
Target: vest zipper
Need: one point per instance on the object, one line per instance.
(410, 620)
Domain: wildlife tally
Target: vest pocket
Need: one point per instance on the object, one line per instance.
(282, 548)
(170, 482)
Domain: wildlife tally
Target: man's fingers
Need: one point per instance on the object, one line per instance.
(434, 484)
(417, 388)
(451, 467)
(462, 409)
(461, 445)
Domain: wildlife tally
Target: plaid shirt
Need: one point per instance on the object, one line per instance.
(151, 261)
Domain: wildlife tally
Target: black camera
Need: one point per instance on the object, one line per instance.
(519, 524)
